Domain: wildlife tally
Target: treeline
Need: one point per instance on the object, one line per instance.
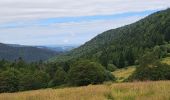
(126, 56)
(125, 45)
(21, 76)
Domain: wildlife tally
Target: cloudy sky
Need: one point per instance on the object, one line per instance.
(53, 22)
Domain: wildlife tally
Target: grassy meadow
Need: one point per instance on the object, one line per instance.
(166, 60)
(159, 90)
(124, 73)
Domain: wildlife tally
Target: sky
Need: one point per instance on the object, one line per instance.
(64, 22)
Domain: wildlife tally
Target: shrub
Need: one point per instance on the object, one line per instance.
(109, 76)
(151, 69)
(9, 80)
(34, 80)
(59, 78)
(111, 67)
(86, 72)
(156, 72)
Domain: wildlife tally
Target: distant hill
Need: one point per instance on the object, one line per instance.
(123, 46)
(28, 53)
(59, 48)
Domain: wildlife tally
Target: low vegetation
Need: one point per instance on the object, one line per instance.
(87, 72)
(124, 73)
(119, 91)
(150, 68)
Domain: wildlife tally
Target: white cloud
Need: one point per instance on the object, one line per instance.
(12, 10)
(62, 33)
(25, 13)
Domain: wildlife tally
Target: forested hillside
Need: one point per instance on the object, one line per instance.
(29, 54)
(142, 44)
(125, 45)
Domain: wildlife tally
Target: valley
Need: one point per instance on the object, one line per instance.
(131, 62)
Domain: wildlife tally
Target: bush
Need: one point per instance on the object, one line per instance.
(86, 72)
(111, 67)
(34, 80)
(9, 80)
(151, 69)
(109, 76)
(156, 72)
(59, 78)
(160, 51)
(168, 48)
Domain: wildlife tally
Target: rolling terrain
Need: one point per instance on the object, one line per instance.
(28, 53)
(144, 46)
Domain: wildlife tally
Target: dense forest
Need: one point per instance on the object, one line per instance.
(142, 43)
(28, 53)
(125, 45)
(20, 76)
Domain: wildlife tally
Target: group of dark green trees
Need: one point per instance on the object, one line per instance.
(150, 68)
(20, 76)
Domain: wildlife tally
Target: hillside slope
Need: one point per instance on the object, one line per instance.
(124, 45)
(29, 54)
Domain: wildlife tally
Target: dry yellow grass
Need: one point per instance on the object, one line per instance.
(124, 73)
(119, 91)
(166, 60)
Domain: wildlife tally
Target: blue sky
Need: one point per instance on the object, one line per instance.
(53, 22)
(46, 22)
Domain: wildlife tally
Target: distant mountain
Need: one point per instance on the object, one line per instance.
(123, 46)
(16, 45)
(59, 48)
(28, 53)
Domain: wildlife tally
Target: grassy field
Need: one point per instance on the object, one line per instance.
(166, 60)
(124, 73)
(159, 90)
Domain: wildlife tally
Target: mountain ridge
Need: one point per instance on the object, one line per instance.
(125, 41)
(12, 52)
